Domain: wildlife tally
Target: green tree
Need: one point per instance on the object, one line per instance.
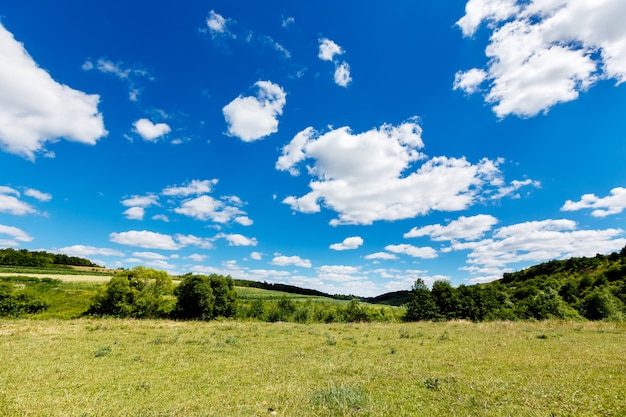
(600, 304)
(206, 297)
(422, 305)
(446, 299)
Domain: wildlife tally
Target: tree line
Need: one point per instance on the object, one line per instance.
(40, 259)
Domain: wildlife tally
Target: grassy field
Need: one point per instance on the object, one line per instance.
(89, 367)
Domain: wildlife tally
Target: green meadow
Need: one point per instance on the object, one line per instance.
(125, 367)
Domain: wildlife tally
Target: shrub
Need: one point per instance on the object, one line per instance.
(206, 297)
(15, 303)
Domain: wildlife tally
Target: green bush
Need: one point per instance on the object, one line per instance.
(139, 293)
(15, 303)
(205, 297)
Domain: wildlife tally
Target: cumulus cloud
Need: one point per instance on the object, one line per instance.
(15, 236)
(86, 251)
(371, 176)
(257, 256)
(405, 249)
(342, 74)
(35, 109)
(348, 243)
(196, 257)
(10, 202)
(206, 208)
(135, 213)
(236, 239)
(464, 228)
(141, 200)
(328, 49)
(533, 242)
(252, 118)
(542, 53)
(149, 131)
(282, 260)
(145, 239)
(614, 203)
(217, 24)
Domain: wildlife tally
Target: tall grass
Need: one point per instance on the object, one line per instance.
(89, 367)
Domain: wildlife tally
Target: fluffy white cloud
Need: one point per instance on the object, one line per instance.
(216, 23)
(282, 260)
(86, 251)
(544, 52)
(342, 74)
(244, 220)
(208, 208)
(464, 228)
(381, 255)
(150, 255)
(16, 235)
(614, 203)
(257, 256)
(194, 187)
(328, 49)
(235, 239)
(35, 109)
(196, 257)
(338, 273)
(186, 240)
(135, 213)
(145, 239)
(348, 243)
(141, 200)
(533, 242)
(252, 118)
(10, 202)
(424, 252)
(119, 70)
(370, 176)
(149, 131)
(38, 195)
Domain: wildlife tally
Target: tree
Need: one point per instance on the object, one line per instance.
(446, 298)
(600, 304)
(206, 297)
(422, 305)
(139, 292)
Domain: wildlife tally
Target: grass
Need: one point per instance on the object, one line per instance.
(89, 367)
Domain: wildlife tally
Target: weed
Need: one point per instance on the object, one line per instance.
(103, 351)
(341, 400)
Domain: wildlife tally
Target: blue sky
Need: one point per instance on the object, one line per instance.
(350, 147)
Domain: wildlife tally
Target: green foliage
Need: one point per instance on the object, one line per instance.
(18, 302)
(422, 305)
(23, 257)
(205, 297)
(139, 293)
(600, 304)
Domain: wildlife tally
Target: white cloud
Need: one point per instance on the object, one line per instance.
(86, 251)
(614, 203)
(208, 208)
(141, 200)
(135, 213)
(35, 109)
(464, 228)
(150, 255)
(236, 239)
(381, 255)
(38, 195)
(10, 202)
(216, 23)
(328, 49)
(197, 257)
(145, 239)
(252, 118)
(542, 53)
(533, 242)
(186, 240)
(244, 220)
(424, 252)
(338, 273)
(161, 217)
(513, 187)
(342, 74)
(119, 70)
(17, 235)
(370, 176)
(469, 81)
(257, 256)
(149, 131)
(282, 260)
(288, 21)
(194, 187)
(348, 243)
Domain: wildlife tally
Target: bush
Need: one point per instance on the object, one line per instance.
(138, 293)
(15, 303)
(206, 297)
(601, 304)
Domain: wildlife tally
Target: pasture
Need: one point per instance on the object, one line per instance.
(111, 367)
